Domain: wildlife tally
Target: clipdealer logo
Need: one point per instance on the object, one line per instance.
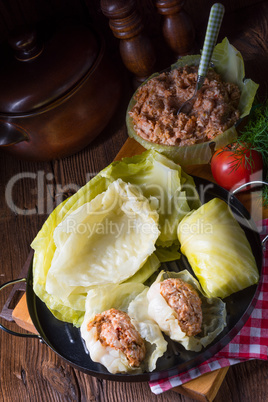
(46, 194)
(107, 227)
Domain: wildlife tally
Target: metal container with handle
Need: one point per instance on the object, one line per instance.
(59, 90)
(65, 339)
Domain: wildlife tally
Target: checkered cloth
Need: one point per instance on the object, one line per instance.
(250, 343)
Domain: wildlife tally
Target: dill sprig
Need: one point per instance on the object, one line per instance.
(255, 135)
(255, 132)
(241, 154)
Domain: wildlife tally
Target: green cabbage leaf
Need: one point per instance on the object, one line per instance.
(104, 241)
(60, 278)
(217, 250)
(159, 177)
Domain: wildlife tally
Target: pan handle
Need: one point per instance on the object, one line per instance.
(250, 183)
(9, 331)
(257, 183)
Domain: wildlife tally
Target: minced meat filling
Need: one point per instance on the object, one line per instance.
(114, 329)
(155, 115)
(186, 303)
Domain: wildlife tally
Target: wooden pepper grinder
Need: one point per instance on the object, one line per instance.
(177, 27)
(135, 47)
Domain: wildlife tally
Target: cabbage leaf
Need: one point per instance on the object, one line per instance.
(104, 241)
(217, 250)
(170, 193)
(159, 177)
(146, 271)
(229, 63)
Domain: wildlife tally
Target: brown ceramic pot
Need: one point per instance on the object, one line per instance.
(56, 96)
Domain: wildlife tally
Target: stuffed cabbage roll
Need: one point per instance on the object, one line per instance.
(217, 250)
(117, 330)
(183, 312)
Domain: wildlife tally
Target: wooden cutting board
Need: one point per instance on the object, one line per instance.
(203, 388)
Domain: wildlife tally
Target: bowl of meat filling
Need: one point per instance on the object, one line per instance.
(224, 100)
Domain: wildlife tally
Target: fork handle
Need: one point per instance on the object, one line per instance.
(214, 23)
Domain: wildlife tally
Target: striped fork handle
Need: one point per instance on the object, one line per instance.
(214, 23)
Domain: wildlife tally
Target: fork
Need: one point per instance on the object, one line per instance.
(212, 32)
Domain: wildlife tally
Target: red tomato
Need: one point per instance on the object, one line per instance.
(234, 165)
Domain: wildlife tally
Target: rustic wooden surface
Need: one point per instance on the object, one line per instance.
(29, 370)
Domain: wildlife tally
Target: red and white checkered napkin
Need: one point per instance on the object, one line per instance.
(250, 343)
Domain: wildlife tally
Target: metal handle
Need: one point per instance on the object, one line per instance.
(213, 28)
(250, 183)
(9, 331)
(11, 134)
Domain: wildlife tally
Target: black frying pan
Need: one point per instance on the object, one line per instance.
(65, 339)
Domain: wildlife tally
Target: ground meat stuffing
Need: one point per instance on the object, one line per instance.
(155, 112)
(115, 329)
(184, 300)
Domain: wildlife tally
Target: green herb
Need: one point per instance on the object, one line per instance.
(241, 155)
(255, 134)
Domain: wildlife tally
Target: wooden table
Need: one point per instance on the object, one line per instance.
(29, 370)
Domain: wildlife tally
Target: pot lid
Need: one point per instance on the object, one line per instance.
(35, 71)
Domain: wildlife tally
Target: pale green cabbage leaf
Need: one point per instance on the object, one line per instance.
(159, 177)
(104, 241)
(217, 249)
(228, 62)
(147, 270)
(44, 246)
(165, 254)
(156, 178)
